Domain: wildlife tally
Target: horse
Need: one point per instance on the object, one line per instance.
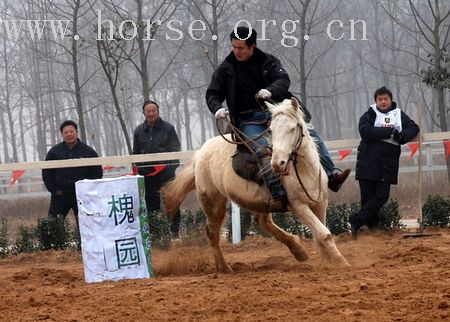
(210, 173)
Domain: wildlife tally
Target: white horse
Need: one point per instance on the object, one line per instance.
(215, 181)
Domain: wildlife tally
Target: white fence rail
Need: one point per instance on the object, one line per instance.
(31, 183)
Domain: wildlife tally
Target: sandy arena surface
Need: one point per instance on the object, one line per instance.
(391, 279)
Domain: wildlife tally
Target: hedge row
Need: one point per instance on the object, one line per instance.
(56, 234)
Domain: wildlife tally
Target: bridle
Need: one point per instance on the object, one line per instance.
(293, 156)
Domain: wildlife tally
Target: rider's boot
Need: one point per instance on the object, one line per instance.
(279, 201)
(336, 180)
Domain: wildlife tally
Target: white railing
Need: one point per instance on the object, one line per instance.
(129, 159)
(31, 183)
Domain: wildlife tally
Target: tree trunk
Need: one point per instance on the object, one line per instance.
(12, 134)
(187, 121)
(385, 78)
(4, 137)
(120, 116)
(22, 132)
(36, 97)
(142, 55)
(302, 41)
(439, 92)
(76, 77)
(107, 68)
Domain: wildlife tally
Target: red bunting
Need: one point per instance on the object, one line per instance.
(158, 169)
(413, 147)
(447, 149)
(16, 174)
(343, 154)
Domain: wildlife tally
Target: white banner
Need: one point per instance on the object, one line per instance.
(115, 237)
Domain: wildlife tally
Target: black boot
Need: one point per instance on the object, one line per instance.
(355, 225)
(336, 180)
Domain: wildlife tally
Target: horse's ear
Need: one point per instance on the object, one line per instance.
(270, 106)
(294, 102)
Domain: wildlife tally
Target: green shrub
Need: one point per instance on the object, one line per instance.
(290, 223)
(247, 229)
(3, 237)
(159, 230)
(52, 233)
(337, 217)
(390, 216)
(436, 212)
(286, 221)
(25, 242)
(75, 239)
(192, 226)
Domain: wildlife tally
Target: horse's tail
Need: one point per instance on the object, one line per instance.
(176, 190)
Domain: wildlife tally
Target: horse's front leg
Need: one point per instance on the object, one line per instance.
(321, 233)
(291, 241)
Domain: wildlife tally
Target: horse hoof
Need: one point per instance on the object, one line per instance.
(299, 255)
(225, 270)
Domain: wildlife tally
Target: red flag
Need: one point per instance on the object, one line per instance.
(413, 147)
(447, 149)
(158, 169)
(343, 154)
(134, 171)
(108, 167)
(16, 174)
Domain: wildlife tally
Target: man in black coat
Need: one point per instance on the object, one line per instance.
(248, 72)
(155, 135)
(383, 129)
(60, 182)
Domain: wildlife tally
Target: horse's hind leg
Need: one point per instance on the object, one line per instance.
(214, 207)
(291, 241)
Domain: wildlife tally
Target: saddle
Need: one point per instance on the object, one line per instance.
(246, 164)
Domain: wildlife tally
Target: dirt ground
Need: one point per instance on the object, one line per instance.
(391, 279)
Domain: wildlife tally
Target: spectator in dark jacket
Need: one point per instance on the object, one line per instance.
(383, 129)
(155, 135)
(60, 182)
(248, 72)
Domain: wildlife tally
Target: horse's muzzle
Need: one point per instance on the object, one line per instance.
(280, 167)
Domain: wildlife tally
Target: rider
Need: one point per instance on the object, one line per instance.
(248, 72)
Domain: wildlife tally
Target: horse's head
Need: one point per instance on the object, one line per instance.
(287, 133)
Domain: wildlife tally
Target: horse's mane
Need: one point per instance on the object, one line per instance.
(297, 114)
(285, 108)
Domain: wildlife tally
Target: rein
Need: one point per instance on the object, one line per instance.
(243, 138)
(239, 134)
(294, 157)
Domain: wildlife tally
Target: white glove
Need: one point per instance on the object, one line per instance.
(263, 93)
(221, 113)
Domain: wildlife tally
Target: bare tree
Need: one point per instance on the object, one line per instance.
(111, 58)
(430, 27)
